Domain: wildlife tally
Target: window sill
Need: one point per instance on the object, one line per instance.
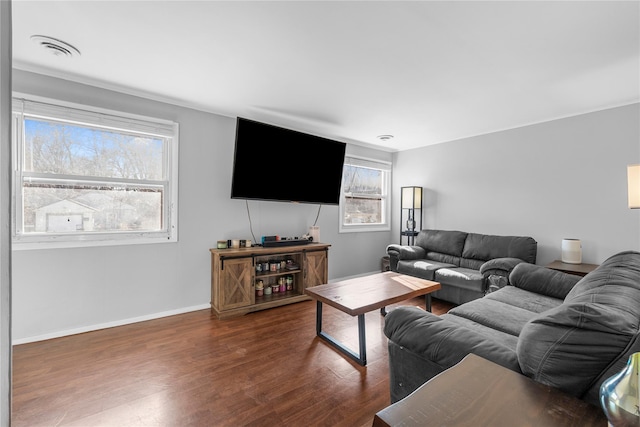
(95, 241)
(364, 228)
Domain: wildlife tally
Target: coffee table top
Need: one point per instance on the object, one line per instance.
(478, 392)
(364, 294)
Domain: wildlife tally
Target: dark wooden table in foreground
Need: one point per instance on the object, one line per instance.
(364, 294)
(477, 392)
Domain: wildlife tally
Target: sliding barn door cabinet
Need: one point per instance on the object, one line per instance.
(240, 277)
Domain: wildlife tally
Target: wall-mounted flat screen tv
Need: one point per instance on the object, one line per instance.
(278, 164)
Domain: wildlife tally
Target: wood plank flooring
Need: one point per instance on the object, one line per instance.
(263, 369)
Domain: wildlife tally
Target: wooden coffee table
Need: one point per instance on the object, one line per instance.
(364, 294)
(478, 392)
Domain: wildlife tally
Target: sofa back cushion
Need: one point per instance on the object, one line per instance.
(473, 264)
(442, 241)
(483, 247)
(573, 346)
(541, 280)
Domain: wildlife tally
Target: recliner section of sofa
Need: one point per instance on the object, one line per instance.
(464, 263)
(562, 330)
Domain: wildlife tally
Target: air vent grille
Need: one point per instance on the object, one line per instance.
(55, 46)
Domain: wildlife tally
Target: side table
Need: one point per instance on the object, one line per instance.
(477, 392)
(577, 269)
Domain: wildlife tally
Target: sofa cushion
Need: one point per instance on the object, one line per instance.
(485, 247)
(443, 241)
(495, 314)
(460, 277)
(442, 341)
(540, 280)
(530, 301)
(571, 345)
(490, 334)
(422, 268)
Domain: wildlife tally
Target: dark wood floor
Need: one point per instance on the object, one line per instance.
(262, 369)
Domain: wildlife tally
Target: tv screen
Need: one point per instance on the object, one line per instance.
(273, 163)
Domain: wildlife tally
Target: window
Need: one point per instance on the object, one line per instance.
(92, 177)
(365, 204)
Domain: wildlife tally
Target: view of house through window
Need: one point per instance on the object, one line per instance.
(88, 178)
(365, 190)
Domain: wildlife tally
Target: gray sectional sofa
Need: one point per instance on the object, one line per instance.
(562, 330)
(465, 264)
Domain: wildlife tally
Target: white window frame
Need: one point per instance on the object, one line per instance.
(385, 167)
(48, 109)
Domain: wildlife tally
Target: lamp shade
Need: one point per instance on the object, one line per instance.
(633, 177)
(411, 197)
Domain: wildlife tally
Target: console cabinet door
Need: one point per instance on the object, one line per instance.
(236, 284)
(316, 268)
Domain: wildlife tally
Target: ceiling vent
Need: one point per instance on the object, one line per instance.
(55, 46)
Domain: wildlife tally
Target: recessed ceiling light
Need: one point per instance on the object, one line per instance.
(385, 137)
(55, 46)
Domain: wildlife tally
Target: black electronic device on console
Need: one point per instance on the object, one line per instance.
(276, 241)
(279, 243)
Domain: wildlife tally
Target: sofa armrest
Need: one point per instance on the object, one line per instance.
(403, 252)
(499, 266)
(496, 272)
(441, 341)
(542, 280)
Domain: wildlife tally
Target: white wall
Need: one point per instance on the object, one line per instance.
(70, 290)
(564, 178)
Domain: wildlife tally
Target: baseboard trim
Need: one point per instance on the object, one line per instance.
(107, 325)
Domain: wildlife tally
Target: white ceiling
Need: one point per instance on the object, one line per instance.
(423, 71)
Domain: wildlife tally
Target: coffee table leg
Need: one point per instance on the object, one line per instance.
(361, 358)
(318, 317)
(362, 340)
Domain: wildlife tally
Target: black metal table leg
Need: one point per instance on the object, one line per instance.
(318, 317)
(361, 358)
(363, 341)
